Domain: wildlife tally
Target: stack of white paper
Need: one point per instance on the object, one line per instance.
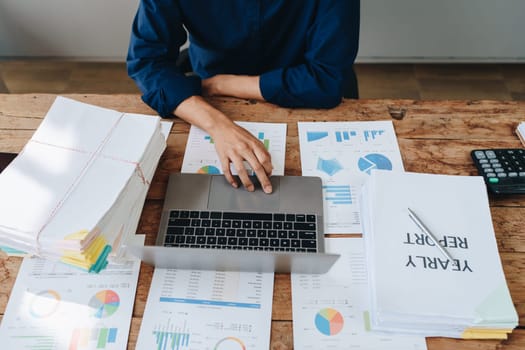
(414, 287)
(76, 190)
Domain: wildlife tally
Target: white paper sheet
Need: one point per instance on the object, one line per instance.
(343, 154)
(55, 306)
(207, 310)
(330, 311)
(200, 155)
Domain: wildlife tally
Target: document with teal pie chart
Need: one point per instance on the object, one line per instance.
(343, 155)
(331, 311)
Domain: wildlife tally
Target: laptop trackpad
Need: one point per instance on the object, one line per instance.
(224, 197)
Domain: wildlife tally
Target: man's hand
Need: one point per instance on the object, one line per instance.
(233, 144)
(236, 145)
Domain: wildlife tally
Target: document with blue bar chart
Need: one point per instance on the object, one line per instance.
(207, 310)
(55, 306)
(343, 154)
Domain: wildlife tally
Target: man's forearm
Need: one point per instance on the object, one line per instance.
(197, 111)
(242, 86)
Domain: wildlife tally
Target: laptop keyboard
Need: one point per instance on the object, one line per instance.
(242, 231)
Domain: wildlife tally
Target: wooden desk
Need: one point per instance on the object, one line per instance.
(434, 137)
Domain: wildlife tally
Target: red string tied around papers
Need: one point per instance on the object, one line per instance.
(94, 155)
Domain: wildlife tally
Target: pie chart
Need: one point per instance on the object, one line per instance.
(209, 169)
(329, 321)
(104, 304)
(374, 161)
(44, 304)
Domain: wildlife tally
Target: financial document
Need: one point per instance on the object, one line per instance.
(200, 155)
(203, 310)
(343, 154)
(330, 311)
(55, 306)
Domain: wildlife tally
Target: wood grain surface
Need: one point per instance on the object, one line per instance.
(434, 137)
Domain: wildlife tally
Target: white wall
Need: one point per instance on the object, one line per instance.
(391, 30)
(442, 30)
(84, 29)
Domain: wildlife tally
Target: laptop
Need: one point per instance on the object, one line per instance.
(206, 224)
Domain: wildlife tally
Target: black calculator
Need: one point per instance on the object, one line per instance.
(502, 169)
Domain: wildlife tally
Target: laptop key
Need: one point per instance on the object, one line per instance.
(310, 218)
(243, 241)
(307, 235)
(194, 214)
(175, 230)
(278, 217)
(201, 240)
(308, 243)
(174, 214)
(180, 222)
(205, 214)
(199, 231)
(184, 214)
(304, 226)
(216, 215)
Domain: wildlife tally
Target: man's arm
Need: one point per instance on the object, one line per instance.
(241, 86)
(233, 143)
(156, 38)
(331, 47)
(317, 82)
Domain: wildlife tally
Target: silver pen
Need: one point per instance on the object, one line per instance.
(426, 231)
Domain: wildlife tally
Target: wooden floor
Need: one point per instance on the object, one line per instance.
(411, 81)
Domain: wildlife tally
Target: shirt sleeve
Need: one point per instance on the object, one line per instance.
(156, 37)
(331, 47)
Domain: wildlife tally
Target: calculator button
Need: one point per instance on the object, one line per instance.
(491, 175)
(521, 173)
(502, 174)
(479, 154)
(494, 180)
(485, 166)
(513, 174)
(499, 170)
(493, 161)
(490, 154)
(483, 161)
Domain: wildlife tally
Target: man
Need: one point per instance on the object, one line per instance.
(293, 53)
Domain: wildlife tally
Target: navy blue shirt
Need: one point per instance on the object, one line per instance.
(303, 50)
